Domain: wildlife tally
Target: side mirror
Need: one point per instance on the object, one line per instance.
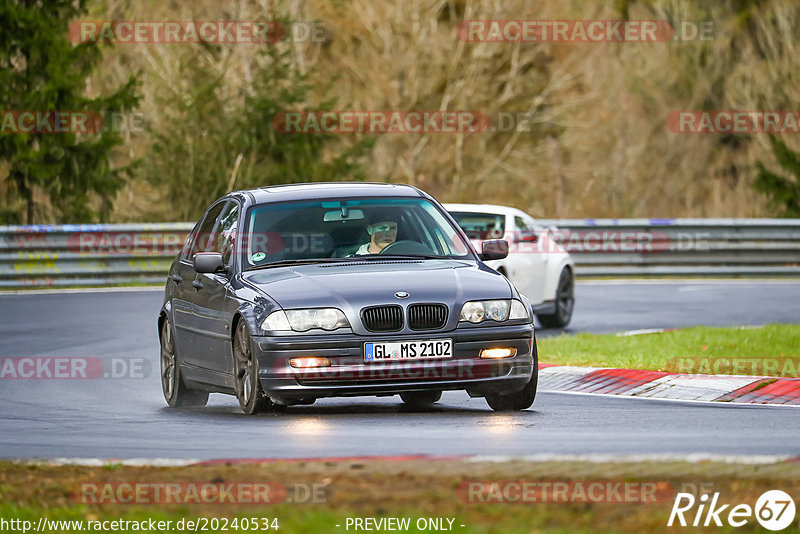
(208, 262)
(494, 249)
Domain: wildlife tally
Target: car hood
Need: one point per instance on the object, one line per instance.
(354, 285)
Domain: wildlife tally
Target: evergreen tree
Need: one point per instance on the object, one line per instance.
(213, 143)
(42, 71)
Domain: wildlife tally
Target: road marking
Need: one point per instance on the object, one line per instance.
(633, 383)
(645, 331)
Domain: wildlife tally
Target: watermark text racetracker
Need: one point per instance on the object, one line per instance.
(734, 122)
(196, 31)
(201, 493)
(70, 121)
(564, 491)
(137, 242)
(601, 241)
(584, 31)
(770, 367)
(380, 122)
(389, 368)
(72, 368)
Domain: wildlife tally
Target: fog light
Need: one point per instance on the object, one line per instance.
(306, 363)
(498, 353)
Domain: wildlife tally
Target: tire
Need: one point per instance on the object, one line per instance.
(520, 400)
(252, 398)
(175, 391)
(564, 300)
(420, 399)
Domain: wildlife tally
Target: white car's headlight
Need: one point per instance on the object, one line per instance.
(304, 320)
(477, 311)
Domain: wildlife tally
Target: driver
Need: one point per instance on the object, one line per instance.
(382, 230)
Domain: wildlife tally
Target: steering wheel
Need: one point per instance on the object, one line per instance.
(406, 247)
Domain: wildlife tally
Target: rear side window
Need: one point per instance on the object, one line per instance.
(481, 225)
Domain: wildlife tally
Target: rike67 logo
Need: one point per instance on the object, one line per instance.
(774, 510)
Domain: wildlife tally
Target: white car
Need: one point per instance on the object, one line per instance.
(536, 264)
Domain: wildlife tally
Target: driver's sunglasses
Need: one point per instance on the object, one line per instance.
(385, 227)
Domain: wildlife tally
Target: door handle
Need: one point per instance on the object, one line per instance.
(197, 284)
(177, 278)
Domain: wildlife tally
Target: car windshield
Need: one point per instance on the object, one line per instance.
(288, 232)
(481, 225)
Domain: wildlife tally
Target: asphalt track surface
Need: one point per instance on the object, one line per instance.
(127, 417)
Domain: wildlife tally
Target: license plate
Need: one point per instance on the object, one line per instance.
(408, 350)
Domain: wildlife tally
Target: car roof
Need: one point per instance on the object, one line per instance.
(323, 190)
(485, 208)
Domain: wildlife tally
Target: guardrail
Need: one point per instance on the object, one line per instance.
(88, 254)
(113, 254)
(681, 247)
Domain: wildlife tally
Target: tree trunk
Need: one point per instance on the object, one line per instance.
(26, 191)
(29, 218)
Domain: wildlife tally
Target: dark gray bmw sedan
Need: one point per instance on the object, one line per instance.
(286, 294)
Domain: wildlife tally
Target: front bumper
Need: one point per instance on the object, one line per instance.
(349, 375)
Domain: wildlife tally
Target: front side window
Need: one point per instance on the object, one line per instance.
(199, 239)
(189, 244)
(525, 230)
(224, 236)
(523, 225)
(319, 229)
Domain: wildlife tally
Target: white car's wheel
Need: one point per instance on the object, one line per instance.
(564, 300)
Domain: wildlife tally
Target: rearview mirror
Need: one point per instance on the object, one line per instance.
(494, 249)
(344, 214)
(208, 262)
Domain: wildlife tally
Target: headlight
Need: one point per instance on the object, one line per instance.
(518, 311)
(304, 320)
(477, 311)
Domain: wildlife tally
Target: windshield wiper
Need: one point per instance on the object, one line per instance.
(283, 263)
(403, 257)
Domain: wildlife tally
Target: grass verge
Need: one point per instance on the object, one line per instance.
(412, 489)
(772, 350)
